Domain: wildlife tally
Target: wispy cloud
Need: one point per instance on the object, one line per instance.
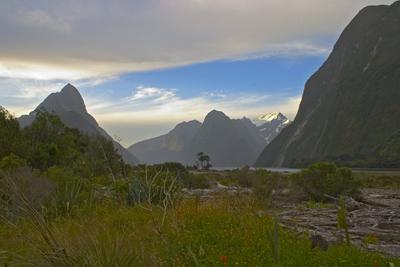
(153, 94)
(294, 49)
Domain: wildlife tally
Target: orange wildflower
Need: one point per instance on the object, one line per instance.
(223, 259)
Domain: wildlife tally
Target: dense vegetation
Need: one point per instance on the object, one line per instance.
(67, 199)
(48, 143)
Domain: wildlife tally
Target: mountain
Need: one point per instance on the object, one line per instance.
(271, 124)
(171, 147)
(229, 142)
(69, 105)
(350, 108)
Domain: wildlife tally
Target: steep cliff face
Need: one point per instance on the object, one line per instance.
(350, 110)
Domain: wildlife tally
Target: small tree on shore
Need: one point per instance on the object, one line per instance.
(203, 161)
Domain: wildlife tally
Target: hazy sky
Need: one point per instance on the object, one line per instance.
(144, 65)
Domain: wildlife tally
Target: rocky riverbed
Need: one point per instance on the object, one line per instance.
(374, 221)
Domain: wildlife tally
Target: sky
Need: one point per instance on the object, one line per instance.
(143, 66)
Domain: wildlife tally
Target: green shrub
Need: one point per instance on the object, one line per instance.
(70, 194)
(195, 181)
(323, 179)
(11, 163)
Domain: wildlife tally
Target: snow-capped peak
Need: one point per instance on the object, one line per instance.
(269, 117)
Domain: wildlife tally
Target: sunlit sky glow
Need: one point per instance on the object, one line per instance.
(143, 66)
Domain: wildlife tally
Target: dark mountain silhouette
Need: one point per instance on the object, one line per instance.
(171, 147)
(69, 105)
(351, 106)
(229, 142)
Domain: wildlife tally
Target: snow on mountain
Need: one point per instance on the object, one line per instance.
(271, 124)
(269, 117)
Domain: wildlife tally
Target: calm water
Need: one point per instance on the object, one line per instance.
(293, 170)
(281, 170)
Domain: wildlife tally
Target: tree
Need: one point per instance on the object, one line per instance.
(204, 161)
(11, 141)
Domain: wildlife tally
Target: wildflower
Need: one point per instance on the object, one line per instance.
(223, 259)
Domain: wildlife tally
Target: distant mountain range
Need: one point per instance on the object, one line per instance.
(229, 142)
(69, 105)
(350, 111)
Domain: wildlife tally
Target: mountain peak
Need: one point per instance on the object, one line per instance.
(69, 106)
(69, 88)
(270, 117)
(216, 115)
(68, 99)
(187, 124)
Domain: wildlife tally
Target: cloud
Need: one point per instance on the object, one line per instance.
(288, 50)
(41, 19)
(21, 96)
(83, 39)
(156, 95)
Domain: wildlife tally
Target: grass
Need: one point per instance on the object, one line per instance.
(379, 180)
(226, 232)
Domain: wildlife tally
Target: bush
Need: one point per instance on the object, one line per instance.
(70, 194)
(323, 179)
(264, 183)
(195, 181)
(11, 163)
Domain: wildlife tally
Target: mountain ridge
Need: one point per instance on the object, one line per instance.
(229, 142)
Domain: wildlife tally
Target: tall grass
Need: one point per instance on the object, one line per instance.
(194, 234)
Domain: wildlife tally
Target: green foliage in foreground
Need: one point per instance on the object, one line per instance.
(322, 179)
(225, 233)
